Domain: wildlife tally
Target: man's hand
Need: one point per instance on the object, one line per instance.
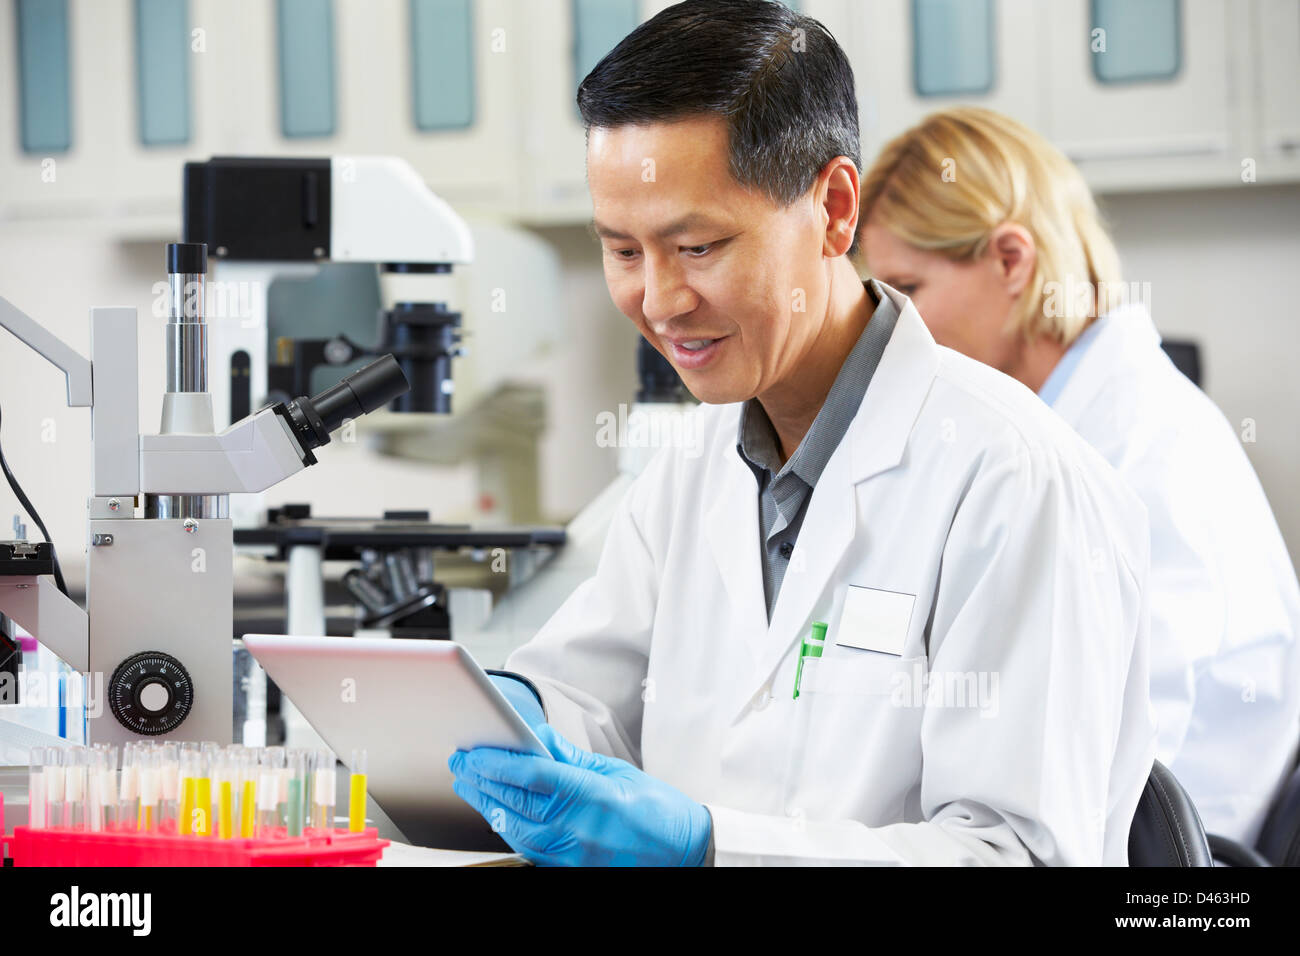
(581, 809)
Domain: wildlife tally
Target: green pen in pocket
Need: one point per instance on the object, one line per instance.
(812, 647)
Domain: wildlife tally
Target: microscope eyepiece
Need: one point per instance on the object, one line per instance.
(187, 258)
(365, 390)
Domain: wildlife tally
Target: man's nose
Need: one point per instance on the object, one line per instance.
(666, 294)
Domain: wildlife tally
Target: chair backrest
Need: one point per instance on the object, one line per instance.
(1166, 829)
(1279, 840)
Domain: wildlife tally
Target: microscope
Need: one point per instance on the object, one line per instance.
(268, 218)
(159, 569)
(282, 218)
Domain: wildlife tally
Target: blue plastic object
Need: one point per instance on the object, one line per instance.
(581, 809)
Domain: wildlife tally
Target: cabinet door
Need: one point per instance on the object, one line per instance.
(131, 85)
(1140, 90)
(436, 82)
(431, 81)
(914, 57)
(1276, 35)
(566, 38)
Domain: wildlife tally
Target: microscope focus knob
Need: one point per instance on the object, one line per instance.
(150, 693)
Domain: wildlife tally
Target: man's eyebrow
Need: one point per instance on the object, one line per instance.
(685, 224)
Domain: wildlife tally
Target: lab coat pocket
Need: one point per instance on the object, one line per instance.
(855, 673)
(859, 752)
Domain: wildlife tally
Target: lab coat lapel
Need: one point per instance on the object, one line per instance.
(827, 530)
(731, 525)
(874, 444)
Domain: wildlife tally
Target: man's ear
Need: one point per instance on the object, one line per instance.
(1015, 256)
(838, 192)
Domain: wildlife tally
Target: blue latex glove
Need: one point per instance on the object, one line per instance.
(581, 809)
(521, 699)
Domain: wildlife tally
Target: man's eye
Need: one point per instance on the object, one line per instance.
(624, 253)
(698, 250)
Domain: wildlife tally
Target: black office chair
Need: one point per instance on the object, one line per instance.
(1279, 838)
(1166, 829)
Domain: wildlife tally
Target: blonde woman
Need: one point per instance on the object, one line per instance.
(995, 237)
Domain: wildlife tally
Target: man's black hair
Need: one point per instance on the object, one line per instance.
(779, 79)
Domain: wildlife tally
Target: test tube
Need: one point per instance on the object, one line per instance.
(128, 790)
(94, 790)
(248, 794)
(169, 776)
(204, 793)
(357, 792)
(74, 788)
(268, 792)
(308, 762)
(297, 775)
(323, 783)
(187, 779)
(223, 780)
(150, 775)
(36, 789)
(280, 759)
(54, 795)
(106, 791)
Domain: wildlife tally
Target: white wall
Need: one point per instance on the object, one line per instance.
(1223, 266)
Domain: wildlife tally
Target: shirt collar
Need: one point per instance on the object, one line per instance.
(1060, 376)
(757, 439)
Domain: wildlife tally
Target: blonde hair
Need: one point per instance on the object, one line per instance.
(947, 183)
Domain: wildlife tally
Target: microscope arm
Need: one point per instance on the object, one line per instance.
(73, 364)
(36, 602)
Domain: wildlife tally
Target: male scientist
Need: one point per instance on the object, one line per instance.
(888, 609)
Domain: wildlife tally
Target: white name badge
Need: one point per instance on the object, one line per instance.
(875, 620)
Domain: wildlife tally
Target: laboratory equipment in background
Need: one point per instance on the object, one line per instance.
(264, 218)
(279, 223)
(293, 235)
(393, 579)
(159, 570)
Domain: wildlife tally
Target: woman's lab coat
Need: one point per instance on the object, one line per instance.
(1225, 610)
(982, 697)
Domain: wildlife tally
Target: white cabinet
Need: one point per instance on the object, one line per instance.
(1141, 92)
(552, 147)
(889, 56)
(109, 179)
(510, 142)
(474, 167)
(1276, 35)
(106, 176)
(565, 39)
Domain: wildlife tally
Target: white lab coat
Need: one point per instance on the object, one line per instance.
(1027, 559)
(1225, 608)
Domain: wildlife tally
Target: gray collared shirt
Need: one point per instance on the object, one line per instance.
(785, 490)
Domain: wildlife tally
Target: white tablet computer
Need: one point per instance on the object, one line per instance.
(410, 704)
